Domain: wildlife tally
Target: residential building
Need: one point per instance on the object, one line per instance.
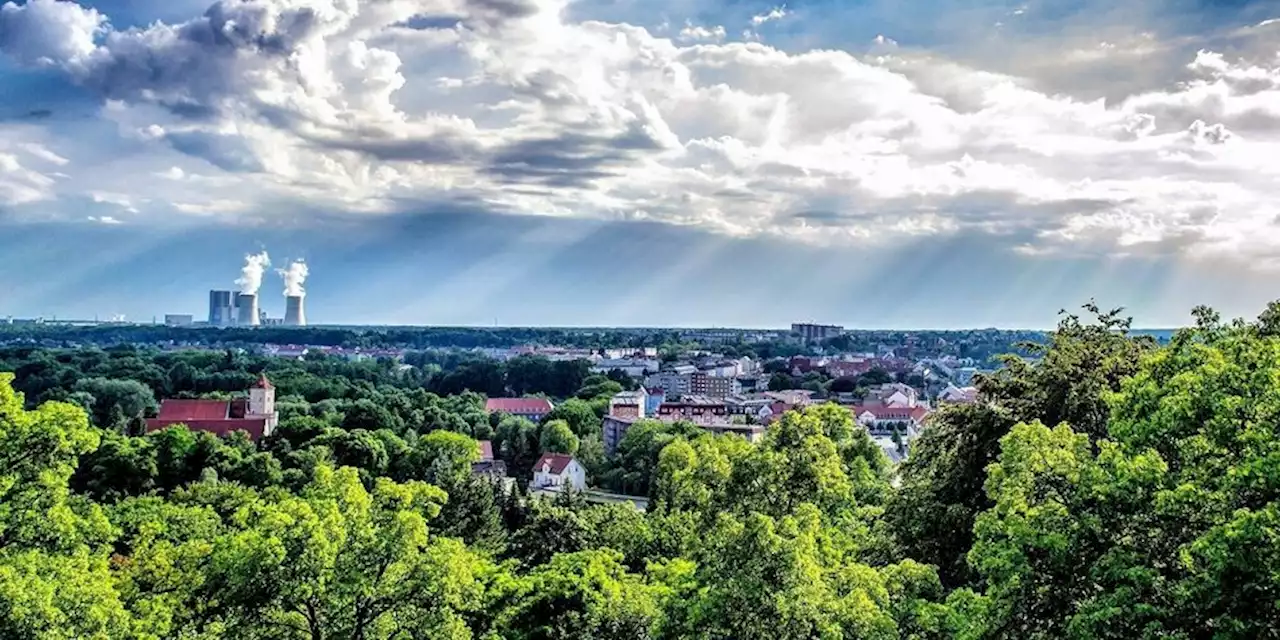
(654, 397)
(893, 394)
(534, 409)
(698, 410)
(754, 433)
(629, 404)
(816, 332)
(713, 386)
(488, 466)
(558, 471)
(958, 395)
(881, 420)
(634, 367)
(613, 430)
(255, 414)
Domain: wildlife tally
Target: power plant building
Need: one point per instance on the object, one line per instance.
(247, 310)
(295, 314)
(221, 309)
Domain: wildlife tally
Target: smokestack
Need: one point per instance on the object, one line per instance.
(220, 306)
(294, 313)
(247, 309)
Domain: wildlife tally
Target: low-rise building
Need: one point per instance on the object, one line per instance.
(558, 471)
(698, 410)
(255, 414)
(629, 404)
(488, 466)
(534, 409)
(958, 395)
(881, 420)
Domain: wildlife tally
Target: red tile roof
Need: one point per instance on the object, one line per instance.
(518, 406)
(486, 449)
(253, 426)
(184, 410)
(558, 462)
(263, 383)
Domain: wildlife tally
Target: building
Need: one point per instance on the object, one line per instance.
(816, 332)
(221, 309)
(256, 414)
(633, 367)
(613, 430)
(713, 386)
(754, 433)
(958, 395)
(534, 409)
(557, 472)
(885, 420)
(178, 319)
(654, 397)
(629, 404)
(487, 466)
(697, 410)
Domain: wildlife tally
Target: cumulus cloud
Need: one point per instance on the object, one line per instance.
(519, 106)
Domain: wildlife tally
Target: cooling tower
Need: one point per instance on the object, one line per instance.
(294, 313)
(220, 308)
(247, 309)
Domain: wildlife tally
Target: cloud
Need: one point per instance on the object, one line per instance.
(777, 13)
(20, 185)
(49, 32)
(526, 106)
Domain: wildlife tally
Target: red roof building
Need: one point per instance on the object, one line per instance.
(532, 408)
(486, 449)
(553, 463)
(255, 415)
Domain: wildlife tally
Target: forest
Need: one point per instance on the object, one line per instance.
(1105, 486)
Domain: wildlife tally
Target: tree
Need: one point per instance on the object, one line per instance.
(578, 414)
(117, 403)
(557, 437)
(587, 594)
(942, 483)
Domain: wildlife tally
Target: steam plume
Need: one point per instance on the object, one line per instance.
(294, 276)
(250, 279)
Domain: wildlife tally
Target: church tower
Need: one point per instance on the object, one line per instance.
(262, 403)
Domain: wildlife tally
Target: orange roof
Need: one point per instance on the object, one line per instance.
(184, 410)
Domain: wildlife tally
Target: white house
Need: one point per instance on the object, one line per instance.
(558, 471)
(958, 395)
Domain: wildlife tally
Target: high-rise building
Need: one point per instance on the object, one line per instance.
(814, 332)
(221, 308)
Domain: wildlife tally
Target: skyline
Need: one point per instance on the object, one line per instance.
(707, 163)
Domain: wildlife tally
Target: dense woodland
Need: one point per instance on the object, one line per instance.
(979, 344)
(1110, 487)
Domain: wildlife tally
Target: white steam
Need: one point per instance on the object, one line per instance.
(250, 279)
(293, 277)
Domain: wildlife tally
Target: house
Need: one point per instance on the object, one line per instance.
(958, 395)
(754, 433)
(893, 394)
(534, 409)
(629, 404)
(558, 471)
(487, 466)
(256, 414)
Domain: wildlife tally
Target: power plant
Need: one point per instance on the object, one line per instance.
(241, 309)
(221, 309)
(247, 309)
(294, 314)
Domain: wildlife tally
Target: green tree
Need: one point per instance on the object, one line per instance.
(557, 437)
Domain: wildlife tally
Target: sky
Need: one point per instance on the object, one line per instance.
(877, 163)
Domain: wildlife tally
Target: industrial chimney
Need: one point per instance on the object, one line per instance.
(294, 314)
(247, 309)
